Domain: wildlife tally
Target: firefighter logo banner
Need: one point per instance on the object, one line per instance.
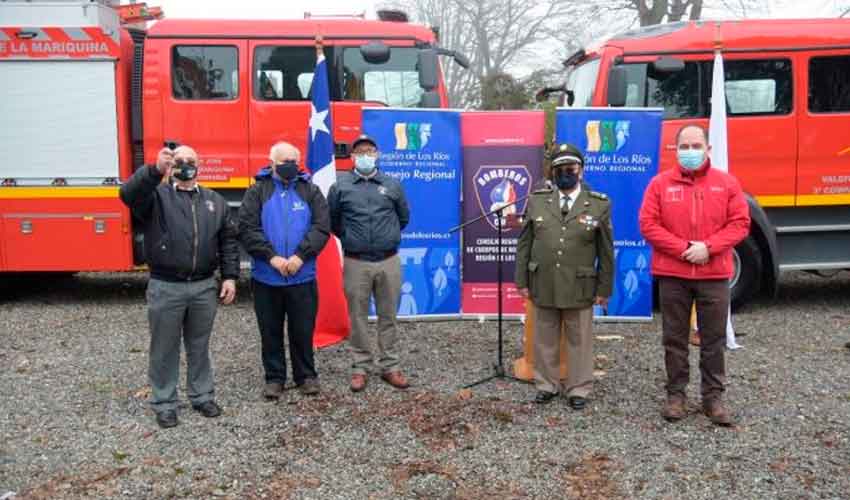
(421, 148)
(502, 162)
(621, 148)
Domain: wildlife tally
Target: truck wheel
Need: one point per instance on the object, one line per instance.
(746, 279)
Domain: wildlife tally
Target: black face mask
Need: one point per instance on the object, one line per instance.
(566, 180)
(287, 170)
(184, 171)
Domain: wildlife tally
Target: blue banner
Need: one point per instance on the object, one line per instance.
(422, 149)
(621, 148)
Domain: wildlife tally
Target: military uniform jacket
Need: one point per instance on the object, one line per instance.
(566, 259)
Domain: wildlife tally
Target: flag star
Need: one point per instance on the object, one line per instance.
(317, 121)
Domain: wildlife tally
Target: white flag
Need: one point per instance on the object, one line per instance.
(719, 140)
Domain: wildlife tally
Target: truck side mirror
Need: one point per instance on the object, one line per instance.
(666, 65)
(375, 52)
(427, 65)
(430, 99)
(617, 87)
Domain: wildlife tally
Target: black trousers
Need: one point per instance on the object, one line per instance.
(296, 306)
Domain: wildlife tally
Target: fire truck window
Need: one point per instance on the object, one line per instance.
(285, 73)
(582, 81)
(681, 94)
(205, 72)
(829, 84)
(757, 87)
(394, 83)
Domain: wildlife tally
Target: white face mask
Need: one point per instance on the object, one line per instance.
(365, 164)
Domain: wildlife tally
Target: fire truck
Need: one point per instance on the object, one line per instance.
(89, 94)
(787, 88)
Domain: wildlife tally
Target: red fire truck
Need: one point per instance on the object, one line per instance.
(89, 94)
(788, 107)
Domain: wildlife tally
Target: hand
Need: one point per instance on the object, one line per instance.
(228, 291)
(164, 161)
(601, 301)
(523, 292)
(294, 264)
(280, 264)
(697, 253)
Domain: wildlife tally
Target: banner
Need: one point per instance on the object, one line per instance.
(621, 148)
(502, 162)
(421, 148)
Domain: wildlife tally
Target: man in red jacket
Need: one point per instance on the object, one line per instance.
(693, 216)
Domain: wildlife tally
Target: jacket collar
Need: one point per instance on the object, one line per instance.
(688, 176)
(378, 177)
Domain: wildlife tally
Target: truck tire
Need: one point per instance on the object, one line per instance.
(746, 280)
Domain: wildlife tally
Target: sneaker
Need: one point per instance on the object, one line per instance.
(674, 409)
(395, 379)
(208, 409)
(716, 412)
(167, 418)
(310, 387)
(273, 390)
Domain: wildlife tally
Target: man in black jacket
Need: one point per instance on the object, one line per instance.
(368, 212)
(283, 225)
(188, 235)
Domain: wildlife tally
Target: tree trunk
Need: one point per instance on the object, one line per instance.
(649, 16)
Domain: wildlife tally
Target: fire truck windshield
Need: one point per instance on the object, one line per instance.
(582, 80)
(285, 73)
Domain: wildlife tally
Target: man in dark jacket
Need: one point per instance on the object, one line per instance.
(368, 211)
(188, 235)
(283, 225)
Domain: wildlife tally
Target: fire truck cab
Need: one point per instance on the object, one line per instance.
(89, 94)
(788, 106)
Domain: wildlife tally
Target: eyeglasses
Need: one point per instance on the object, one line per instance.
(694, 145)
(367, 152)
(180, 162)
(567, 168)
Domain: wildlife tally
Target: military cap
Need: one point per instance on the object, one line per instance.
(566, 153)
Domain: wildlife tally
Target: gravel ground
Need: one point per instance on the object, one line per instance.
(73, 422)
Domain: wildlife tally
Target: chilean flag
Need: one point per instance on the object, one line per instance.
(332, 324)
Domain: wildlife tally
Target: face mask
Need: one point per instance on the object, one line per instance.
(566, 180)
(287, 170)
(365, 164)
(691, 159)
(184, 171)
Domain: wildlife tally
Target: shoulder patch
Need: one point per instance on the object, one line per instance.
(598, 195)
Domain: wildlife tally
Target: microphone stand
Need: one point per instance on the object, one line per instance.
(498, 368)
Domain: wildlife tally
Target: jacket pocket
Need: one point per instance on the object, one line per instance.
(586, 283)
(532, 278)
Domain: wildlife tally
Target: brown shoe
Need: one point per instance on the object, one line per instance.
(310, 387)
(273, 390)
(674, 410)
(395, 379)
(358, 382)
(716, 412)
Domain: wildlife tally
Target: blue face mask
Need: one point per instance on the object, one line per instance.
(691, 159)
(365, 164)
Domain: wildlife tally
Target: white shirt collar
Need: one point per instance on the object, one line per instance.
(572, 196)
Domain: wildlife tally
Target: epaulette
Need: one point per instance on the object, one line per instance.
(543, 190)
(598, 195)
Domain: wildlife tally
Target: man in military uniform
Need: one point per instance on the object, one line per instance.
(565, 265)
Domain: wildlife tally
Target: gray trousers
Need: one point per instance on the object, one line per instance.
(180, 310)
(578, 324)
(383, 280)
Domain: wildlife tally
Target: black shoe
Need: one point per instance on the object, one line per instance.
(167, 418)
(544, 397)
(208, 409)
(577, 402)
(310, 387)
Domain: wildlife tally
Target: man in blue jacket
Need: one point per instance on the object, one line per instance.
(283, 225)
(368, 212)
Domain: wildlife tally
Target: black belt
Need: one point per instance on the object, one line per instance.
(371, 256)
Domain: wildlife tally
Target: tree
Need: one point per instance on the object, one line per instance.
(494, 34)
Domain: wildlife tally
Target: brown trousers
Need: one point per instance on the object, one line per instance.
(578, 324)
(712, 303)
